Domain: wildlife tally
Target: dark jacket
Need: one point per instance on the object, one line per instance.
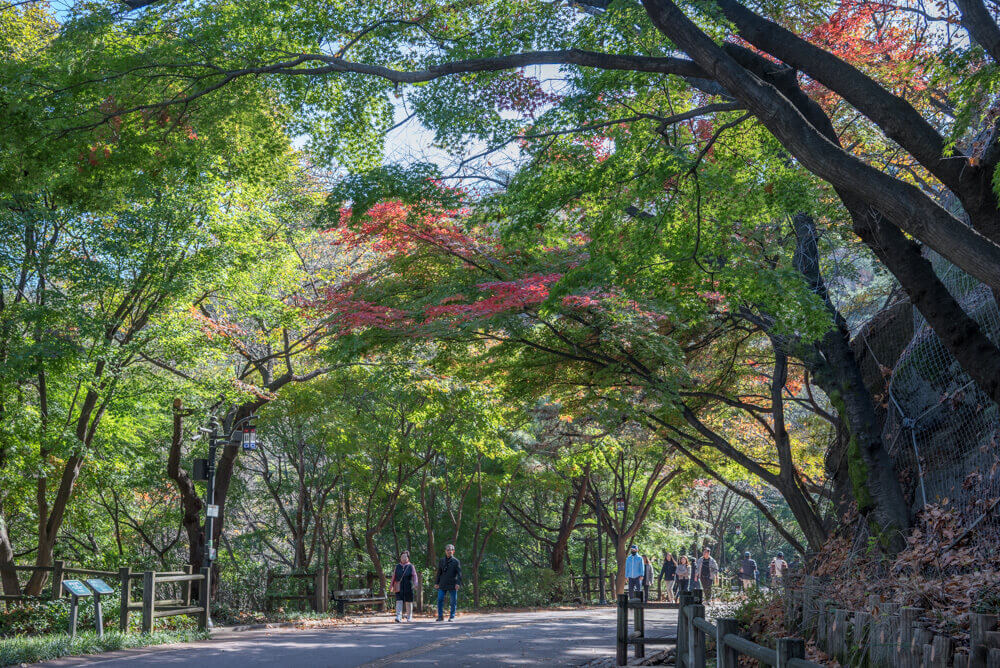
(669, 570)
(449, 573)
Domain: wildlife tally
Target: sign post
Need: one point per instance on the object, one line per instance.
(100, 588)
(77, 590)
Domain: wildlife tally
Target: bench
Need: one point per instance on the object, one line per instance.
(346, 597)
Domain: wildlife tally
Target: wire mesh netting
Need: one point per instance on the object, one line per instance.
(941, 430)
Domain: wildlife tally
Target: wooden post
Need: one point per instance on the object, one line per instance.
(979, 626)
(821, 626)
(696, 638)
(684, 600)
(57, 578)
(148, 600)
(840, 634)
(726, 657)
(205, 600)
(861, 634)
(640, 628)
(186, 587)
(318, 590)
(941, 650)
(790, 648)
(621, 648)
(907, 620)
(921, 646)
(125, 575)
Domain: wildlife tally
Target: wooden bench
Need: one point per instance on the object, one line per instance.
(346, 597)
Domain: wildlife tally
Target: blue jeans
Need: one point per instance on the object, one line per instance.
(454, 601)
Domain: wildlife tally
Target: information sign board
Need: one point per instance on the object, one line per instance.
(76, 588)
(100, 587)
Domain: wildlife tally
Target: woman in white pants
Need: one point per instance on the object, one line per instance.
(404, 582)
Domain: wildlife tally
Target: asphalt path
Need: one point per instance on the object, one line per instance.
(549, 638)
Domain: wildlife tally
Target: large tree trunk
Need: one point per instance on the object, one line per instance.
(191, 504)
(373, 554)
(427, 497)
(874, 481)
(568, 523)
(621, 551)
(8, 576)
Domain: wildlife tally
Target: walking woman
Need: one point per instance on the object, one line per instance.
(668, 573)
(404, 583)
(683, 576)
(647, 580)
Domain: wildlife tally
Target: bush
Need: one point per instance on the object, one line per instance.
(34, 617)
(535, 588)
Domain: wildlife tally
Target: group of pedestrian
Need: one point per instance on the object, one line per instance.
(684, 574)
(405, 581)
(680, 574)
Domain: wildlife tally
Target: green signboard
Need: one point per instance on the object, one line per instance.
(100, 587)
(76, 588)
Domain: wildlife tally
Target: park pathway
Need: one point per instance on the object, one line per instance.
(550, 638)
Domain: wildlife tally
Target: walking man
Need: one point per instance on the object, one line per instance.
(748, 572)
(706, 571)
(635, 571)
(448, 579)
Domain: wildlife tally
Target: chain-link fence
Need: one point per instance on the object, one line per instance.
(941, 430)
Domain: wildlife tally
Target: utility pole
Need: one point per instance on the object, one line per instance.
(249, 442)
(601, 552)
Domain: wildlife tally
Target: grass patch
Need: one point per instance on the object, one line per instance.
(30, 649)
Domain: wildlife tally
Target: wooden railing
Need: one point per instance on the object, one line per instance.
(692, 632)
(638, 637)
(152, 608)
(316, 591)
(59, 571)
(148, 605)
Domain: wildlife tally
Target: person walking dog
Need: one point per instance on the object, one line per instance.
(448, 579)
(404, 582)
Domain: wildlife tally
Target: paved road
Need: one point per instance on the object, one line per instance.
(558, 638)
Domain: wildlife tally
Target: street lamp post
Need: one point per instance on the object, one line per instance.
(248, 440)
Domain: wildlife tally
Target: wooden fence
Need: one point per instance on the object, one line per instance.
(885, 634)
(693, 634)
(315, 589)
(59, 571)
(153, 608)
(150, 607)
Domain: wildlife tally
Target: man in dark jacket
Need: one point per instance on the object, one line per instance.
(448, 579)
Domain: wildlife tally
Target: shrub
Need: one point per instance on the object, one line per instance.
(14, 651)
